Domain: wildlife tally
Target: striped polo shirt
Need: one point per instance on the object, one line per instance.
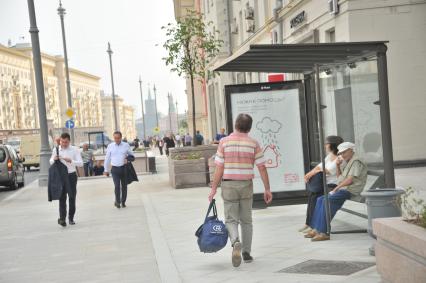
(238, 153)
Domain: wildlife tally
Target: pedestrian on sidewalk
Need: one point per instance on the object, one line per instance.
(235, 159)
(70, 157)
(87, 156)
(169, 142)
(116, 157)
(188, 139)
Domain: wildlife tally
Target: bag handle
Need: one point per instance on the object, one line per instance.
(211, 206)
(57, 150)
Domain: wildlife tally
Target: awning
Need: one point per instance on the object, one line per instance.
(300, 58)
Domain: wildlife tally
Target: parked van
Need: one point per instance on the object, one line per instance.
(30, 150)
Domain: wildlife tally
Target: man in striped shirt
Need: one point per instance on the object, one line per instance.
(235, 159)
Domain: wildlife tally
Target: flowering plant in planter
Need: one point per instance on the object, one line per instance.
(190, 156)
(414, 208)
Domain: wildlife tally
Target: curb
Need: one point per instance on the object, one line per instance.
(166, 266)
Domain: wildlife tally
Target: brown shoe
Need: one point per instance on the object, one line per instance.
(311, 234)
(320, 237)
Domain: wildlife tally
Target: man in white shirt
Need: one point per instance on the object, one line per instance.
(116, 158)
(70, 156)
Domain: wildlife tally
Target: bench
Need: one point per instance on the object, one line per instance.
(375, 179)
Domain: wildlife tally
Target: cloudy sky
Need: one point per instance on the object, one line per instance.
(132, 26)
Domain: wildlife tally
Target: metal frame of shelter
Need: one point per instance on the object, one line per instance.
(307, 59)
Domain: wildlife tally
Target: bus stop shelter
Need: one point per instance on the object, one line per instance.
(346, 92)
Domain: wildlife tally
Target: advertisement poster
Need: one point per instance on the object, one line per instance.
(277, 128)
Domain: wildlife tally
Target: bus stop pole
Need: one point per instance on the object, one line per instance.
(385, 120)
(321, 147)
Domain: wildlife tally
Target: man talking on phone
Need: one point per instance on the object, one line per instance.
(71, 157)
(116, 158)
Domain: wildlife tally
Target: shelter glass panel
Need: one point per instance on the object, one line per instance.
(350, 101)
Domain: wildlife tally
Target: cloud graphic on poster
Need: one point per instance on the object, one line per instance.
(267, 125)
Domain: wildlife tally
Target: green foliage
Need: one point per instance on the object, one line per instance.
(190, 46)
(190, 156)
(183, 124)
(414, 209)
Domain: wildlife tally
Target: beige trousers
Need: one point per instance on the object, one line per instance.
(238, 202)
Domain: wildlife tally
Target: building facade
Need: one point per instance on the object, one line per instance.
(125, 117)
(402, 23)
(18, 98)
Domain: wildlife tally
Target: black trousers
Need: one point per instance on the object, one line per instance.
(312, 201)
(120, 184)
(71, 199)
(161, 150)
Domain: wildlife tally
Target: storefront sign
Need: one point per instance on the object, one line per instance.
(300, 18)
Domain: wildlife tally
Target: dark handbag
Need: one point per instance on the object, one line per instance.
(212, 234)
(315, 184)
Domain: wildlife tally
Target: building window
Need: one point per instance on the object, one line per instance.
(331, 35)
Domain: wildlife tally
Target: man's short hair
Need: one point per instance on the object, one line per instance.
(243, 123)
(117, 133)
(65, 136)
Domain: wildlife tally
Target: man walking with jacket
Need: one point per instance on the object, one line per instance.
(235, 159)
(70, 156)
(116, 158)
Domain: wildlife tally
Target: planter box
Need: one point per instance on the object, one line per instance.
(400, 250)
(187, 173)
(206, 151)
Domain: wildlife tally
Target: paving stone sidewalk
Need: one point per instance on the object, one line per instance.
(152, 240)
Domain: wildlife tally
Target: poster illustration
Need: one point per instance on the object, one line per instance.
(277, 128)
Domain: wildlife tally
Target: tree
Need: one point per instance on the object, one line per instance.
(183, 124)
(190, 48)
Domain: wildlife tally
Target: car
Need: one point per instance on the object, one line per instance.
(11, 168)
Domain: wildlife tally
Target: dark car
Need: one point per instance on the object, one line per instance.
(11, 168)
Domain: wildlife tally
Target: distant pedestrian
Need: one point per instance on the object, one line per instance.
(136, 143)
(87, 156)
(160, 144)
(188, 139)
(235, 159)
(70, 156)
(116, 157)
(178, 141)
(98, 169)
(199, 139)
(219, 136)
(168, 143)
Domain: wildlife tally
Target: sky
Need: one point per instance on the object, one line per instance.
(133, 27)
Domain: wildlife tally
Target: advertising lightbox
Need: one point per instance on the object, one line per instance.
(278, 116)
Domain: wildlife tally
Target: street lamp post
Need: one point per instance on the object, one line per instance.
(109, 51)
(170, 116)
(144, 129)
(143, 114)
(156, 111)
(61, 13)
(45, 150)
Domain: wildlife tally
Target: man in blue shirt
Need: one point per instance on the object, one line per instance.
(116, 158)
(199, 138)
(220, 136)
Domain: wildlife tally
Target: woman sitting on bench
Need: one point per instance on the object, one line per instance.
(350, 185)
(331, 144)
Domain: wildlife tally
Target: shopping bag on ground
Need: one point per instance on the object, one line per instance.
(212, 234)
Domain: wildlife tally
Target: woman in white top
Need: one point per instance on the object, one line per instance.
(332, 173)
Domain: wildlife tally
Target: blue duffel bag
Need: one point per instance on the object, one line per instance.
(212, 234)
